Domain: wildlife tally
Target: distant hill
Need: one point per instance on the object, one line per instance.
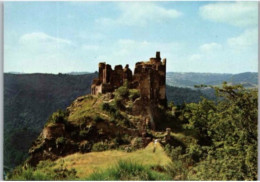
(248, 79)
(78, 73)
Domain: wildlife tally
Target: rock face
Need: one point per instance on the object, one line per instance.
(53, 131)
(149, 78)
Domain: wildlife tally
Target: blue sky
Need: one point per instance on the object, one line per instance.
(53, 37)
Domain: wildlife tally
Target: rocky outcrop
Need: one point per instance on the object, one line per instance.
(54, 131)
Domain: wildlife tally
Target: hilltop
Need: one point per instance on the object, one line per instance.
(105, 121)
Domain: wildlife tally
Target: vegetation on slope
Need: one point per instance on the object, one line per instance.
(212, 140)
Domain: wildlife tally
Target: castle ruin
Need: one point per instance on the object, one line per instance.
(149, 78)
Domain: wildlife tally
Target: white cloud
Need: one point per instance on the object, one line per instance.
(40, 37)
(247, 39)
(195, 57)
(210, 47)
(206, 52)
(140, 14)
(235, 13)
(236, 54)
(40, 52)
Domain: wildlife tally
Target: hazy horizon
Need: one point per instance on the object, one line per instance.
(86, 72)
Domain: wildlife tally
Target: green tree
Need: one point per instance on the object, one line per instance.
(227, 133)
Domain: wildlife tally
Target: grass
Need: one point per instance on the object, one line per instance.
(89, 107)
(128, 170)
(86, 164)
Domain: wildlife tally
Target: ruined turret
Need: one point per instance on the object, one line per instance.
(149, 78)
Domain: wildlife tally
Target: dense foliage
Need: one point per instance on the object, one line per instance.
(226, 133)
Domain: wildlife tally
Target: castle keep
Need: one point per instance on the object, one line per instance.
(149, 78)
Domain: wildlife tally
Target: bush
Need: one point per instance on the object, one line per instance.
(74, 134)
(85, 146)
(83, 133)
(134, 94)
(98, 119)
(123, 91)
(106, 107)
(100, 146)
(137, 143)
(119, 103)
(109, 108)
(58, 117)
(178, 169)
(117, 115)
(60, 141)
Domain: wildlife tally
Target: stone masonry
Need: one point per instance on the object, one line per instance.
(149, 78)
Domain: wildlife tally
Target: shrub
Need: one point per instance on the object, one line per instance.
(119, 103)
(178, 169)
(84, 146)
(112, 120)
(109, 108)
(117, 115)
(123, 91)
(74, 134)
(126, 122)
(134, 94)
(106, 107)
(60, 141)
(58, 117)
(100, 146)
(98, 119)
(83, 133)
(137, 143)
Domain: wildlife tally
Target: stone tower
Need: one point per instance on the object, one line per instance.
(149, 78)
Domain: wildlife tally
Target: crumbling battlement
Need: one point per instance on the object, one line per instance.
(149, 77)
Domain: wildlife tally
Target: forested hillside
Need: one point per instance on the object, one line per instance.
(29, 99)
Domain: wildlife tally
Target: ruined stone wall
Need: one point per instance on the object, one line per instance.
(149, 77)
